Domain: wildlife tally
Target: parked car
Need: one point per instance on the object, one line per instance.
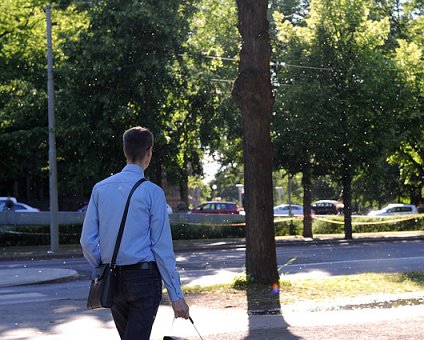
(327, 207)
(19, 207)
(395, 209)
(83, 209)
(216, 208)
(284, 209)
(5, 199)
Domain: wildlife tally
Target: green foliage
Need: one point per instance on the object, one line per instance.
(378, 184)
(241, 282)
(23, 83)
(120, 73)
(70, 234)
(21, 93)
(38, 235)
(369, 225)
(212, 49)
(332, 116)
(340, 125)
(189, 232)
(170, 65)
(288, 227)
(409, 156)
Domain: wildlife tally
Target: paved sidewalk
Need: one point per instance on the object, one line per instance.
(26, 276)
(331, 320)
(69, 320)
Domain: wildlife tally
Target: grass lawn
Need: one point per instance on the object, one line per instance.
(298, 290)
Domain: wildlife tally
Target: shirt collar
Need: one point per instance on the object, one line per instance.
(134, 168)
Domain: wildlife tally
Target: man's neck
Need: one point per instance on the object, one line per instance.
(140, 164)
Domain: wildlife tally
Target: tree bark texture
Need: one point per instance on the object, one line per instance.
(347, 201)
(307, 201)
(253, 93)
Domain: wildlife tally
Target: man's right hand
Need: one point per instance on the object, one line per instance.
(181, 309)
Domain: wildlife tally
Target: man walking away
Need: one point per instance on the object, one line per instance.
(146, 255)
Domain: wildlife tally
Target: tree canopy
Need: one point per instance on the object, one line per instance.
(347, 77)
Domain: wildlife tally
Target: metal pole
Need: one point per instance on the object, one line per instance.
(54, 227)
(292, 230)
(280, 194)
(289, 194)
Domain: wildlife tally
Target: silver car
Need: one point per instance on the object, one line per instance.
(284, 210)
(395, 209)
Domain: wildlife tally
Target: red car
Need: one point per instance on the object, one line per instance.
(216, 208)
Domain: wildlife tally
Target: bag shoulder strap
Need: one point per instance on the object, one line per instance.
(124, 218)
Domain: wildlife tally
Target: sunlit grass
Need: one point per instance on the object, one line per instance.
(351, 286)
(316, 289)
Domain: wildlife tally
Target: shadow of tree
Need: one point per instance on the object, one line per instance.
(264, 310)
(63, 319)
(416, 277)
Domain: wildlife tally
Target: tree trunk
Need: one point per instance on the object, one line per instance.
(184, 187)
(415, 195)
(253, 93)
(307, 201)
(347, 201)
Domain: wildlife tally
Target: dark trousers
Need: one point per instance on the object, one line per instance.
(136, 302)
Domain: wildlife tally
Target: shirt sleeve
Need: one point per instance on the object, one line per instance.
(162, 247)
(90, 233)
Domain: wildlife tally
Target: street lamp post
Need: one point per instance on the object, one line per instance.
(54, 227)
(292, 230)
(280, 194)
(240, 188)
(214, 187)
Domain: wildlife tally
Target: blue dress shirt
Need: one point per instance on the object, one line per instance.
(147, 233)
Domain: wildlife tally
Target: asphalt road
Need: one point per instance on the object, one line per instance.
(221, 265)
(57, 311)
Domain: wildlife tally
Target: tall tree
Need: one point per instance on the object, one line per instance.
(121, 73)
(336, 89)
(409, 57)
(23, 104)
(207, 120)
(253, 93)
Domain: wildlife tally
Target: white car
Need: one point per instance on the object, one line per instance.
(284, 209)
(395, 209)
(4, 199)
(19, 207)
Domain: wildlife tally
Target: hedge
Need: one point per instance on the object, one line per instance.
(70, 234)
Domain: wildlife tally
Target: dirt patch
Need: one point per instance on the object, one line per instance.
(220, 299)
(214, 300)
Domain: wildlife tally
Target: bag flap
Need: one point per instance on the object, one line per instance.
(99, 272)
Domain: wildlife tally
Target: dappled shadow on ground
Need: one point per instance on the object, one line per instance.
(55, 319)
(264, 310)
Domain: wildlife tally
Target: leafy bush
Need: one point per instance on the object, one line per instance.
(368, 224)
(190, 232)
(70, 234)
(38, 235)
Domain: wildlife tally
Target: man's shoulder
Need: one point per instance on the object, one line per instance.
(108, 180)
(153, 187)
(121, 177)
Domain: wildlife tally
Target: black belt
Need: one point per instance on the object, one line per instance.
(140, 265)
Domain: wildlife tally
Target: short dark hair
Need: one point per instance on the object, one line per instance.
(137, 141)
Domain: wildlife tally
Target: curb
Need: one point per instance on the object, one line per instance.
(221, 244)
(196, 245)
(28, 276)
